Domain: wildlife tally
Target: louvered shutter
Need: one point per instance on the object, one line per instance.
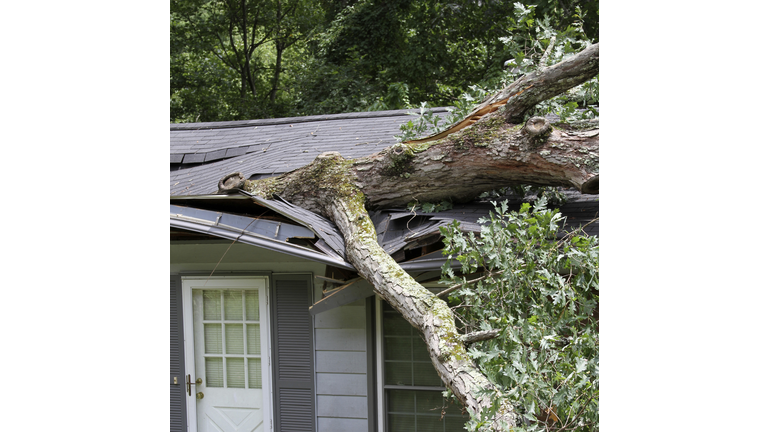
(178, 403)
(293, 359)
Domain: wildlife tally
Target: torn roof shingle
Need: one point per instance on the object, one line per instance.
(321, 226)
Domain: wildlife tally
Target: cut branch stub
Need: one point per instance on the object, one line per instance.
(231, 183)
(399, 156)
(538, 126)
(538, 130)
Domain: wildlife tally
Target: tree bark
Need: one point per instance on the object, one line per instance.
(488, 153)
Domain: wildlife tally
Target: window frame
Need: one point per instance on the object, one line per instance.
(381, 387)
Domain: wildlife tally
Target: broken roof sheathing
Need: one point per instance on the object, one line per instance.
(203, 153)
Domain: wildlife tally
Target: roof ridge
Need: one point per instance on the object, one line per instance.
(292, 120)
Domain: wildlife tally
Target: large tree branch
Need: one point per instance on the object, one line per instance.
(530, 89)
(488, 154)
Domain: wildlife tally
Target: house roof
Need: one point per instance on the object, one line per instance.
(203, 153)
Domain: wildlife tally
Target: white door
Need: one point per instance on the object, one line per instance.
(230, 384)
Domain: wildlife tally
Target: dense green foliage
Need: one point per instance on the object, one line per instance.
(255, 59)
(541, 291)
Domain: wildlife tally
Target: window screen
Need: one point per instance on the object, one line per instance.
(412, 387)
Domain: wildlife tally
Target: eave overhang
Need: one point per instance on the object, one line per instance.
(266, 234)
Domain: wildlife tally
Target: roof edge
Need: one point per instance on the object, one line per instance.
(253, 240)
(294, 120)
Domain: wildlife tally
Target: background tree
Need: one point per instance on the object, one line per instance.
(244, 59)
(227, 56)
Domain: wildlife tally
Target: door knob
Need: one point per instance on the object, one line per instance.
(189, 384)
(200, 395)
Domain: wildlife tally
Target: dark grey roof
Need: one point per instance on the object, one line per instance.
(273, 146)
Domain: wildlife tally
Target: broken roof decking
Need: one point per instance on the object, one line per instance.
(399, 229)
(265, 233)
(259, 148)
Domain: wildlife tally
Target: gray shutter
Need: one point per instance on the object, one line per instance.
(178, 403)
(293, 355)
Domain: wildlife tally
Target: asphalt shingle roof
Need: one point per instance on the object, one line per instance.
(274, 146)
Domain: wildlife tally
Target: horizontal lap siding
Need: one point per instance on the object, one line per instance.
(341, 365)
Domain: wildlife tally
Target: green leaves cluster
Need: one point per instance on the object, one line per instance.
(430, 207)
(540, 288)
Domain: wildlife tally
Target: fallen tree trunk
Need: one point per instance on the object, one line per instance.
(488, 154)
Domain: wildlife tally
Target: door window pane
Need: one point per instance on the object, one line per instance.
(252, 305)
(234, 335)
(254, 339)
(233, 305)
(214, 372)
(235, 373)
(212, 305)
(212, 335)
(254, 373)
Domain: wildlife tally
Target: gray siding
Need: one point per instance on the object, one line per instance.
(341, 369)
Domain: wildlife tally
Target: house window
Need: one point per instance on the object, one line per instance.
(412, 389)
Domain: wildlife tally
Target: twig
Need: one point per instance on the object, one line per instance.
(470, 338)
(543, 61)
(457, 286)
(572, 233)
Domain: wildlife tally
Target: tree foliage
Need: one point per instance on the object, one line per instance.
(541, 290)
(233, 60)
(229, 58)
